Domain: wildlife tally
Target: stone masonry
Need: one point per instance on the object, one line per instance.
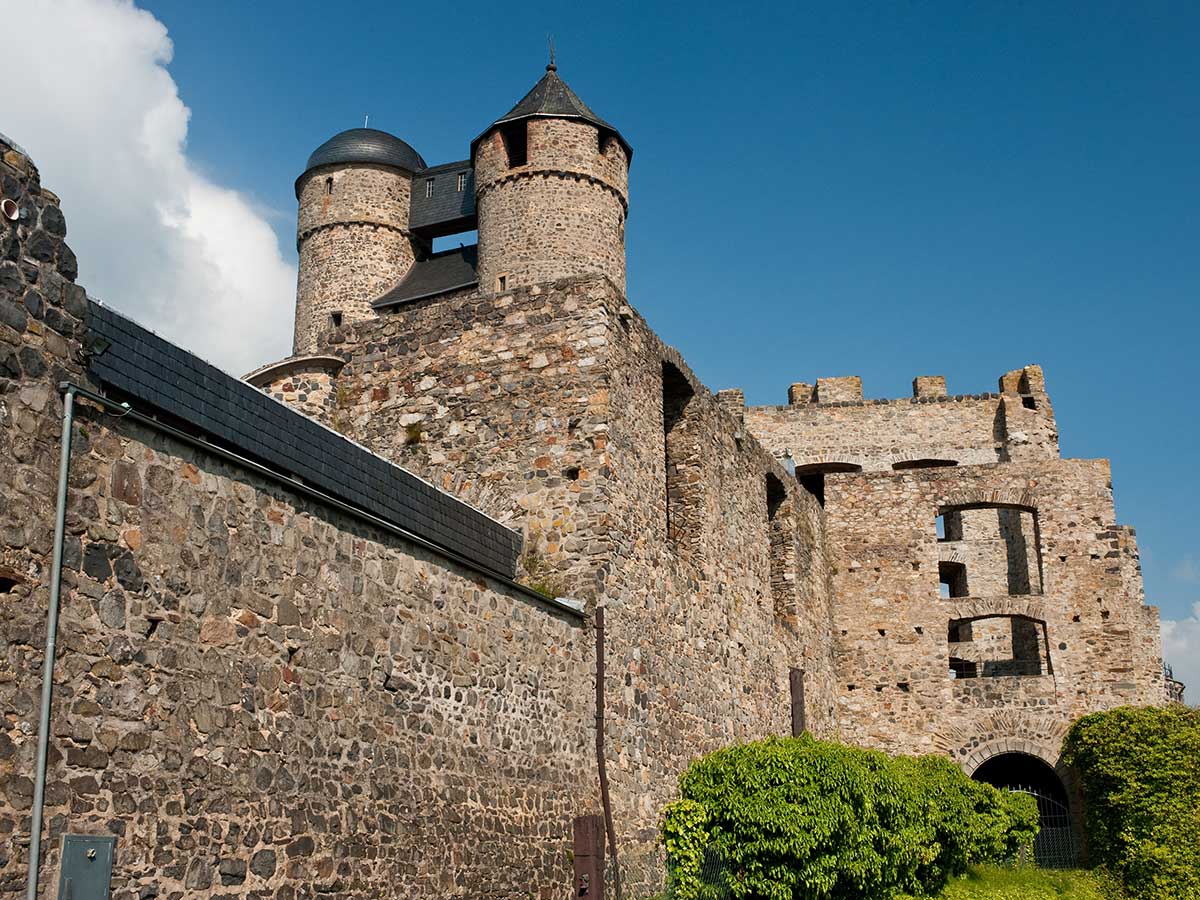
(267, 696)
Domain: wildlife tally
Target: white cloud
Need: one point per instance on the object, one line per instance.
(89, 97)
(1186, 570)
(1181, 650)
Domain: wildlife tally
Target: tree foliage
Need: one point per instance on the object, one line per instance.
(802, 819)
(1140, 773)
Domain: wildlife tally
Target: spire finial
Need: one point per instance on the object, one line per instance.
(552, 67)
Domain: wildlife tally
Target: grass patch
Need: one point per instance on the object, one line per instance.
(1029, 883)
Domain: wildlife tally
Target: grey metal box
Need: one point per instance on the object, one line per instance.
(87, 862)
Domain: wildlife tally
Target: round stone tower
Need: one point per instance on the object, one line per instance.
(552, 191)
(352, 229)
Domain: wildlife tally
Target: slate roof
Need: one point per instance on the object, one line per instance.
(436, 274)
(443, 209)
(149, 370)
(551, 98)
(365, 145)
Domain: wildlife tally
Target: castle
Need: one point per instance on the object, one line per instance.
(443, 604)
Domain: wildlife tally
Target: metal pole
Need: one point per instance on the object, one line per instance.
(60, 521)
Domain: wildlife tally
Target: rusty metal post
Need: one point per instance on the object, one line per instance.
(589, 857)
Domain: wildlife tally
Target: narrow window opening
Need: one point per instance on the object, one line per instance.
(679, 449)
(799, 713)
(335, 319)
(782, 547)
(812, 477)
(572, 473)
(462, 182)
(952, 577)
(516, 143)
(329, 185)
(923, 464)
(428, 188)
(502, 282)
(950, 526)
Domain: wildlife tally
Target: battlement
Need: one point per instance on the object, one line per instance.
(848, 390)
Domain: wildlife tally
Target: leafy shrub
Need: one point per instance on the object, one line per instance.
(802, 819)
(1140, 773)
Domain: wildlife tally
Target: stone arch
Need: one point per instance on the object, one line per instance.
(981, 498)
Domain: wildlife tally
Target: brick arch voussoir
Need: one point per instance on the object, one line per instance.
(981, 498)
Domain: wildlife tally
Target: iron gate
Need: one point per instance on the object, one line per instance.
(1054, 847)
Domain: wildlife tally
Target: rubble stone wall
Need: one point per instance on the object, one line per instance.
(354, 243)
(561, 214)
(837, 425)
(897, 691)
(553, 396)
(259, 695)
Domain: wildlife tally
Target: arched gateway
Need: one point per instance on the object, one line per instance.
(1056, 845)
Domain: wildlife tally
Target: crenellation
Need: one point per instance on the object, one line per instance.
(350, 708)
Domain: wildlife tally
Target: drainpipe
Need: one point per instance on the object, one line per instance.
(601, 767)
(60, 518)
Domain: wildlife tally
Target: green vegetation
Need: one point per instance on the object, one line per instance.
(802, 819)
(1026, 883)
(1140, 774)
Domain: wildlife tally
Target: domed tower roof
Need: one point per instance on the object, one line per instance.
(551, 98)
(365, 145)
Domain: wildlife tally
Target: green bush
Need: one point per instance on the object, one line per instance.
(1140, 774)
(802, 819)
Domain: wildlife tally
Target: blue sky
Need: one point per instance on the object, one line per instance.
(879, 189)
(883, 189)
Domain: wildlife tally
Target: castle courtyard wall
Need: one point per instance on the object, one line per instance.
(259, 695)
(553, 396)
(896, 688)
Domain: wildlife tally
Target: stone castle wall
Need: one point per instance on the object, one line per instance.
(553, 395)
(260, 696)
(835, 424)
(1096, 645)
(562, 214)
(354, 243)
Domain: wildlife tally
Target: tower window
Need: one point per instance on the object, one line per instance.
(335, 319)
(682, 461)
(516, 143)
(329, 185)
(462, 181)
(428, 188)
(502, 282)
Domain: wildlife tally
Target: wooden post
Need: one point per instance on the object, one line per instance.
(589, 857)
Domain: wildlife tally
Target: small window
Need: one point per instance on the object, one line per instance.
(1029, 402)
(335, 319)
(812, 477)
(428, 188)
(462, 181)
(953, 579)
(329, 185)
(502, 282)
(906, 464)
(516, 143)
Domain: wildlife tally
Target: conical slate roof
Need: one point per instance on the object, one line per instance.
(552, 98)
